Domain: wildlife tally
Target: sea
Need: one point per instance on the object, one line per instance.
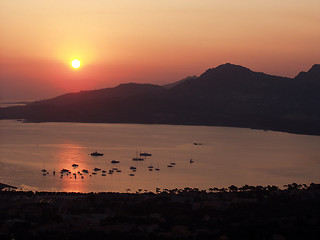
(200, 157)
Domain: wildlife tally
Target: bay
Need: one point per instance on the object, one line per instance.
(226, 156)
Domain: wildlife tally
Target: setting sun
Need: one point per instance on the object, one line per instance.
(75, 63)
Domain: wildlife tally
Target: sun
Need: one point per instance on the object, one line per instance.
(75, 63)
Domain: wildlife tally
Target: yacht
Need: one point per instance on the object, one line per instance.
(145, 154)
(96, 154)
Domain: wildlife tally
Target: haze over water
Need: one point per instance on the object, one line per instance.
(228, 156)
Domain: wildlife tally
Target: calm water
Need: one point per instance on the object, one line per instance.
(228, 156)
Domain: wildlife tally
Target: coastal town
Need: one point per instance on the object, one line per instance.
(248, 212)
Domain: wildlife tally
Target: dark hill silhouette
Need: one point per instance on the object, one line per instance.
(123, 90)
(228, 95)
(312, 74)
(171, 85)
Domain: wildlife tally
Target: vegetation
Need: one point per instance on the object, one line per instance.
(248, 212)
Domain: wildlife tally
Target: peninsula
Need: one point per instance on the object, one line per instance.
(228, 95)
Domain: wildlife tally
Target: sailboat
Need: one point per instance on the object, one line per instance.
(137, 158)
(157, 168)
(44, 167)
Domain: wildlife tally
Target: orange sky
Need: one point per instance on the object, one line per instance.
(156, 41)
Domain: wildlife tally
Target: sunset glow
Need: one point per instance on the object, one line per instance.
(148, 41)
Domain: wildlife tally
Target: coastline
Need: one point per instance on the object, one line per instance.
(190, 213)
(297, 132)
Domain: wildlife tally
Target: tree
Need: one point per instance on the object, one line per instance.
(233, 188)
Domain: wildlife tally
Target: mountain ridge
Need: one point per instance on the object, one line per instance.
(228, 95)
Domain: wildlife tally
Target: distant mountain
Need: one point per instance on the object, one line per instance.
(228, 95)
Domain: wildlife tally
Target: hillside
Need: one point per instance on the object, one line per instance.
(228, 95)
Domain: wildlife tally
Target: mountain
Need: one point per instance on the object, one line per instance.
(312, 74)
(228, 95)
(171, 85)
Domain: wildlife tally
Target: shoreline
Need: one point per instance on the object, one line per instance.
(306, 133)
(213, 190)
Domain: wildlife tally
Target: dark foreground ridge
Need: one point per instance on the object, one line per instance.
(228, 95)
(234, 213)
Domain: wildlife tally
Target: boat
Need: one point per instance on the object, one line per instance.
(145, 154)
(103, 174)
(64, 171)
(173, 163)
(96, 154)
(191, 161)
(44, 168)
(75, 165)
(85, 171)
(103, 171)
(96, 169)
(157, 168)
(118, 170)
(114, 161)
(131, 174)
(150, 167)
(169, 165)
(197, 143)
(137, 158)
(133, 168)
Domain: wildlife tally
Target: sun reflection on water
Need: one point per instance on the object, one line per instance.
(68, 155)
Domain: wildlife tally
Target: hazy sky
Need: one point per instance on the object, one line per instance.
(156, 41)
